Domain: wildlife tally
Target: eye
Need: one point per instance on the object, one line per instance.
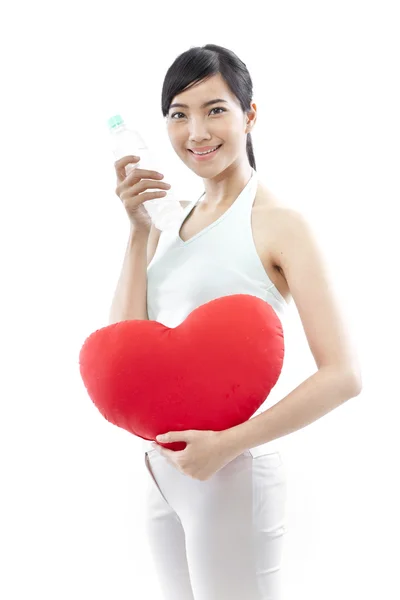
(180, 113)
(218, 108)
(177, 113)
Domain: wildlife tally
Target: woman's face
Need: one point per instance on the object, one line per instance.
(196, 126)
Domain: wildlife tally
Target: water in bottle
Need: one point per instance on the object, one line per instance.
(164, 212)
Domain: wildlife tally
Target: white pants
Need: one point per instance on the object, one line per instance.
(220, 539)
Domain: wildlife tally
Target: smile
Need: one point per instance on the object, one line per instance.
(205, 156)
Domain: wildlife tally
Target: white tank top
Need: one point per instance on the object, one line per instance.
(220, 260)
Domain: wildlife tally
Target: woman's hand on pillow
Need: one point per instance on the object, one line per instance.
(206, 452)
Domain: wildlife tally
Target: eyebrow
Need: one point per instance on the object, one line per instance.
(217, 100)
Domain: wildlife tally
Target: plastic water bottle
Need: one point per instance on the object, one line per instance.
(164, 212)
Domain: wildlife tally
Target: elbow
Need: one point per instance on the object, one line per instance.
(354, 384)
(349, 380)
(355, 390)
(358, 388)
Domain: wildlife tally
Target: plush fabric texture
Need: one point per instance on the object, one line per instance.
(213, 371)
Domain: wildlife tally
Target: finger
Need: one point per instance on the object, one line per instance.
(145, 174)
(164, 437)
(122, 163)
(124, 160)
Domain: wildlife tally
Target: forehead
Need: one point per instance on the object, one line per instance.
(207, 89)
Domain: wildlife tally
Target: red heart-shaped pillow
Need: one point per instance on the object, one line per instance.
(213, 371)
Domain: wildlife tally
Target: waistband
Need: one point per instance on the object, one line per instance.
(267, 448)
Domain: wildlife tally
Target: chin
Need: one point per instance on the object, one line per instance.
(206, 171)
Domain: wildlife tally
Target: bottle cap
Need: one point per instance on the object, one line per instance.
(115, 121)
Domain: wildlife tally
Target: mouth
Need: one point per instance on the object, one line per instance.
(207, 156)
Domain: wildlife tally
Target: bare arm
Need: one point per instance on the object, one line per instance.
(130, 298)
(338, 377)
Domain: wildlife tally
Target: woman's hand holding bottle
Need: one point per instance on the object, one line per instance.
(131, 189)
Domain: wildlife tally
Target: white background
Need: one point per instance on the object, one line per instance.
(326, 142)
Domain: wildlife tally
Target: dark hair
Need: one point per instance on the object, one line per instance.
(199, 63)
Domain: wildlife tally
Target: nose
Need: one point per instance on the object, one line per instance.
(197, 131)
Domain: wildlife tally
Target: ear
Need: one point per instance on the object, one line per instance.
(251, 118)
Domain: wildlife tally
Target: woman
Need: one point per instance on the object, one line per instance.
(215, 512)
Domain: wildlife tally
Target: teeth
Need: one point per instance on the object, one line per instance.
(208, 151)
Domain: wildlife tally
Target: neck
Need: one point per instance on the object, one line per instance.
(221, 191)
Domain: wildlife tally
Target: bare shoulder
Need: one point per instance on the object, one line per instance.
(281, 223)
(298, 252)
(293, 234)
